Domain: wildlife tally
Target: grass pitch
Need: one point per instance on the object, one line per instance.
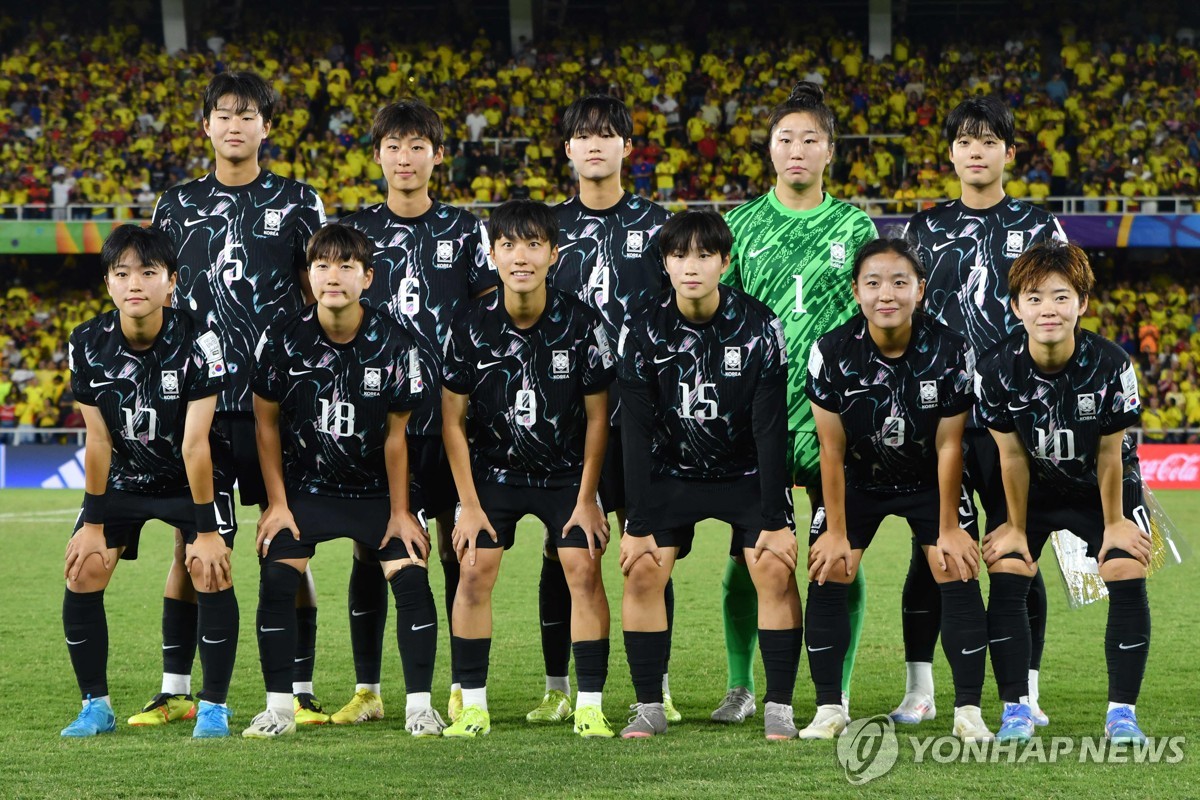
(695, 759)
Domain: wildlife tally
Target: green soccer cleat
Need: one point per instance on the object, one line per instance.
(454, 707)
(307, 710)
(555, 707)
(673, 714)
(165, 708)
(590, 723)
(473, 722)
(365, 706)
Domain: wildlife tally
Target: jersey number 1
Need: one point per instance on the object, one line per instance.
(799, 294)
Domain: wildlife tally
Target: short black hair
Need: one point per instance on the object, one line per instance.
(596, 115)
(248, 88)
(407, 117)
(807, 97)
(151, 245)
(336, 242)
(898, 246)
(701, 230)
(523, 219)
(976, 116)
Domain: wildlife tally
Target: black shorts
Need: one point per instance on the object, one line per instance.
(981, 475)
(1085, 521)
(238, 431)
(126, 512)
(506, 505)
(322, 518)
(612, 474)
(680, 503)
(865, 512)
(433, 487)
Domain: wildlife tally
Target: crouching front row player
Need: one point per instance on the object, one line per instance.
(333, 389)
(147, 380)
(703, 372)
(1058, 400)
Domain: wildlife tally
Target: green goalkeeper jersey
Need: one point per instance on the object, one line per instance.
(799, 264)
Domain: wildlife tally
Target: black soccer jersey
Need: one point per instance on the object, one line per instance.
(526, 420)
(426, 268)
(610, 259)
(967, 254)
(334, 399)
(1061, 417)
(890, 408)
(143, 394)
(239, 248)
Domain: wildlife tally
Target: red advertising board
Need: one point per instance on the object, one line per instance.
(1170, 466)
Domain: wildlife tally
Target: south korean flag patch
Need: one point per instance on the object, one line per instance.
(1130, 398)
(602, 347)
(210, 348)
(415, 384)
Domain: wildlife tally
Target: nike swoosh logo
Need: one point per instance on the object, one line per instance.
(268, 630)
(98, 384)
(298, 660)
(1005, 639)
(295, 371)
(937, 248)
(486, 364)
(171, 646)
(758, 252)
(552, 624)
(819, 649)
(855, 391)
(1012, 407)
(81, 641)
(1130, 647)
(354, 613)
(663, 360)
(190, 222)
(972, 652)
(207, 640)
(224, 531)
(423, 627)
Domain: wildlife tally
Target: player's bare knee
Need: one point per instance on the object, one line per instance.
(583, 575)
(1012, 564)
(646, 578)
(1121, 567)
(93, 576)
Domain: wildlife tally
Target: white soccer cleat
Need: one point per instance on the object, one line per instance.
(913, 709)
(270, 724)
(969, 725)
(828, 723)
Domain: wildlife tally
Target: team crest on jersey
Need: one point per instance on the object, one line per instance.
(1014, 245)
(837, 255)
(372, 381)
(445, 252)
(732, 365)
(1086, 406)
(560, 364)
(170, 384)
(635, 243)
(272, 221)
(929, 394)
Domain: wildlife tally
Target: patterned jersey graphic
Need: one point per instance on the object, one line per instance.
(1060, 418)
(526, 419)
(143, 394)
(426, 269)
(799, 264)
(703, 380)
(239, 249)
(334, 400)
(891, 408)
(610, 260)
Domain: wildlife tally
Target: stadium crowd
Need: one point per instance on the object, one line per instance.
(92, 119)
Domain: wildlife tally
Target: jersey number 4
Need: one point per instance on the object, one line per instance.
(598, 284)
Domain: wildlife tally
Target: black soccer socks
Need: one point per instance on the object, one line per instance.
(179, 621)
(1036, 608)
(781, 656)
(276, 626)
(920, 608)
(1008, 634)
(472, 665)
(86, 627)
(218, 624)
(591, 664)
(306, 645)
(669, 602)
(827, 623)
(416, 627)
(964, 638)
(1127, 638)
(450, 571)
(646, 653)
(554, 611)
(368, 619)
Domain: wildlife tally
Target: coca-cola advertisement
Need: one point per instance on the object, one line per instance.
(1170, 466)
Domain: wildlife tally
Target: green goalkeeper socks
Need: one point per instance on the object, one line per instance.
(739, 602)
(856, 602)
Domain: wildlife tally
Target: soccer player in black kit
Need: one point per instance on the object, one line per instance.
(967, 247)
(430, 259)
(890, 391)
(147, 379)
(609, 259)
(239, 233)
(1058, 401)
(703, 371)
(333, 390)
(525, 421)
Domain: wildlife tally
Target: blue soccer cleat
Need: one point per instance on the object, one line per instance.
(212, 721)
(96, 717)
(1016, 723)
(1122, 726)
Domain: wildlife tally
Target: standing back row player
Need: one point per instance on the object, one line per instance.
(239, 234)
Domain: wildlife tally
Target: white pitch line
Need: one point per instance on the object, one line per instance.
(33, 516)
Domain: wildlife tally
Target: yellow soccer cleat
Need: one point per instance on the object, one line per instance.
(455, 706)
(474, 722)
(308, 711)
(555, 707)
(365, 706)
(165, 708)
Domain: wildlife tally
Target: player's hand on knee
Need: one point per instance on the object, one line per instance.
(633, 548)
(87, 542)
(830, 548)
(405, 527)
(589, 516)
(472, 521)
(213, 556)
(955, 547)
(274, 520)
(1126, 535)
(1004, 540)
